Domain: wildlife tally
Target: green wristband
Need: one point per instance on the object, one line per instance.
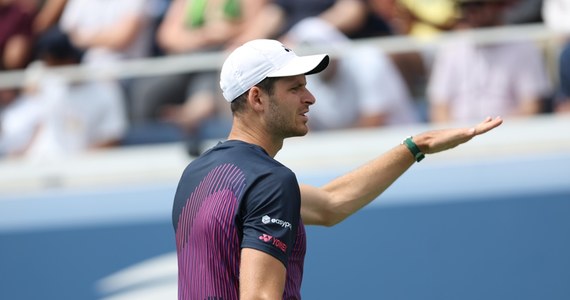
(416, 152)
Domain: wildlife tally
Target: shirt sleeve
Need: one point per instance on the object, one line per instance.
(270, 213)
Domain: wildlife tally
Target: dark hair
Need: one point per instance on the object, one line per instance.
(56, 44)
(267, 85)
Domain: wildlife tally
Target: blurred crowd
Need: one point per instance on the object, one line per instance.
(52, 116)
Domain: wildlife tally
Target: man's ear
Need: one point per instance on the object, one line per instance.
(256, 98)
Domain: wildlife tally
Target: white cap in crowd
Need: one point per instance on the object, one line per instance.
(256, 60)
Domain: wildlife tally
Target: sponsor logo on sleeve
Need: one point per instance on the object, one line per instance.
(267, 219)
(266, 238)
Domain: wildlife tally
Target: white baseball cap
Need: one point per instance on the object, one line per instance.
(258, 59)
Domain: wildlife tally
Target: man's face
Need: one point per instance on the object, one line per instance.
(288, 107)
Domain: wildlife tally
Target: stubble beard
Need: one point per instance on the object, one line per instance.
(279, 125)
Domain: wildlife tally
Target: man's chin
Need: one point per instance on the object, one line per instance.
(299, 132)
(304, 131)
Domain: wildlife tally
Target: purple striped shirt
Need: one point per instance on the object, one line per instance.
(235, 196)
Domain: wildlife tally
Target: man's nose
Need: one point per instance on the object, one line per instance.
(309, 98)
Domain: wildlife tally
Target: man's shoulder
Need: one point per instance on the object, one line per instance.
(247, 157)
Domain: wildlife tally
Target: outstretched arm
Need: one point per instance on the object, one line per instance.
(332, 203)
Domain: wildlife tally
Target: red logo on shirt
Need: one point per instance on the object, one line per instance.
(275, 241)
(265, 237)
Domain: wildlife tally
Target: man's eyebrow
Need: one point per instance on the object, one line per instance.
(295, 81)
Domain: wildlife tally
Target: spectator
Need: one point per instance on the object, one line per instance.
(190, 104)
(470, 80)
(55, 118)
(362, 87)
(422, 19)
(16, 36)
(555, 14)
(563, 104)
(157, 11)
(16, 40)
(108, 30)
(49, 14)
(354, 18)
(523, 12)
(292, 21)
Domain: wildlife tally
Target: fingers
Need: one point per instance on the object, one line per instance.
(446, 139)
(488, 124)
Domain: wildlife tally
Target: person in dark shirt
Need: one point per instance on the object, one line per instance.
(562, 103)
(16, 35)
(239, 215)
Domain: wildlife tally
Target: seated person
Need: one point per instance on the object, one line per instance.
(470, 80)
(56, 118)
(360, 88)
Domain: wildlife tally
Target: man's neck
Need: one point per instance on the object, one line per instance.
(257, 136)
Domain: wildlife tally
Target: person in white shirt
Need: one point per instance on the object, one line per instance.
(108, 30)
(56, 118)
(362, 86)
(469, 80)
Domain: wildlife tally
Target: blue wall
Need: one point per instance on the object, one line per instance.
(478, 230)
(514, 247)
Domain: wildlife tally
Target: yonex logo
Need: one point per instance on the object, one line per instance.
(275, 241)
(265, 237)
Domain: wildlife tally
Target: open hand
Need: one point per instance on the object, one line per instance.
(441, 140)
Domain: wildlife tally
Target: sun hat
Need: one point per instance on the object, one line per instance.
(258, 59)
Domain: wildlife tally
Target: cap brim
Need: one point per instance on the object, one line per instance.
(310, 64)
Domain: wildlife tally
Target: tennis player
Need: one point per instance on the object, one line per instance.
(239, 214)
